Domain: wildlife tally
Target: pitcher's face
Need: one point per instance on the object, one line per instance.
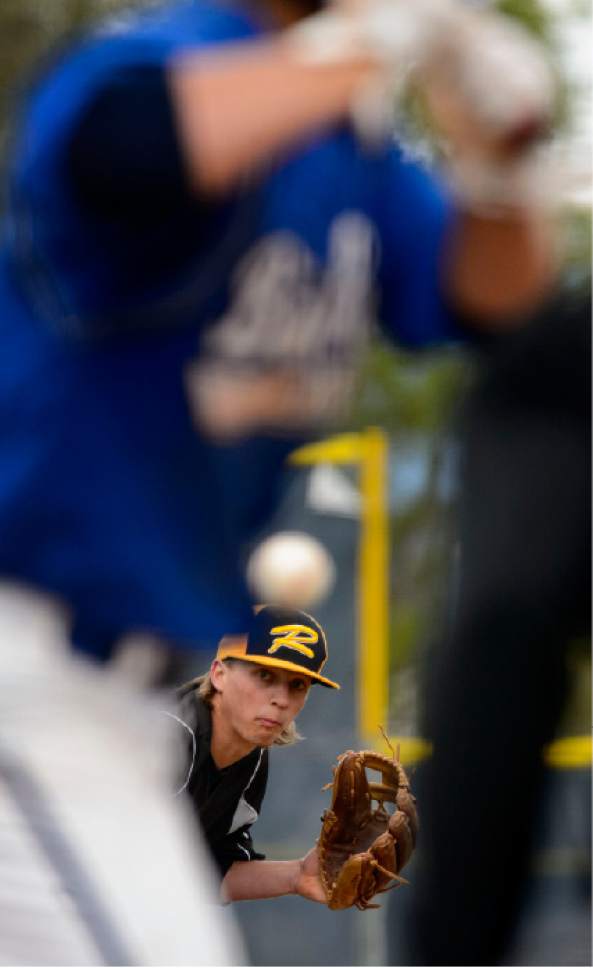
(257, 701)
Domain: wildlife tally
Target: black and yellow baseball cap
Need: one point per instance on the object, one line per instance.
(285, 638)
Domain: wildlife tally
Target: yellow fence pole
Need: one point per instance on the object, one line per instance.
(368, 450)
(373, 593)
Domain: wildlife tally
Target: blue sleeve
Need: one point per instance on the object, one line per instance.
(414, 217)
(122, 155)
(75, 262)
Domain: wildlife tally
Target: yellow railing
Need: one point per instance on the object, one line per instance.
(569, 753)
(566, 753)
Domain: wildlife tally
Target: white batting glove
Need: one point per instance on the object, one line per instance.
(488, 83)
(497, 73)
(396, 34)
(392, 32)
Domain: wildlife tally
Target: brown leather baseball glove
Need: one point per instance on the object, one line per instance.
(362, 850)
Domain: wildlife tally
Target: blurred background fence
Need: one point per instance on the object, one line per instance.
(325, 499)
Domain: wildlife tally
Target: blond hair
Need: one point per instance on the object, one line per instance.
(205, 689)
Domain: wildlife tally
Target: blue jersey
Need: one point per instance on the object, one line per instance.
(119, 361)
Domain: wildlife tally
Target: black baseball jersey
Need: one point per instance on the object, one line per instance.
(227, 802)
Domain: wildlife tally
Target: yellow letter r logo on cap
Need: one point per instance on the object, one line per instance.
(295, 637)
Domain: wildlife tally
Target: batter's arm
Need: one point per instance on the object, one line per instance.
(238, 109)
(499, 267)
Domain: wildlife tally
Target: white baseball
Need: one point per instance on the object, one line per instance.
(290, 568)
